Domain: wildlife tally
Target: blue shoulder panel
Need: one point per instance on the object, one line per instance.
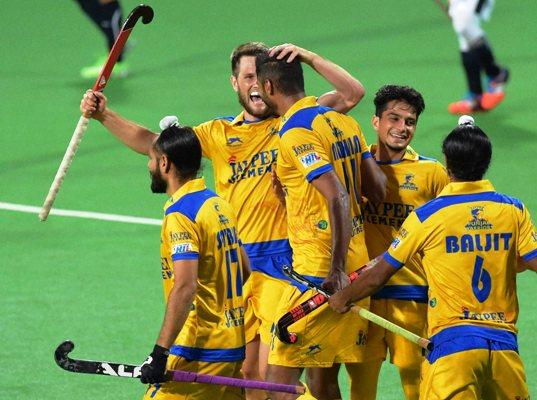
(190, 203)
(303, 118)
(435, 205)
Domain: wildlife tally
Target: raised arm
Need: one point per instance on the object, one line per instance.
(348, 90)
(138, 138)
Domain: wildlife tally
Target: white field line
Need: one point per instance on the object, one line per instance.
(82, 214)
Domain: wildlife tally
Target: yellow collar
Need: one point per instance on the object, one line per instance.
(195, 185)
(308, 101)
(467, 187)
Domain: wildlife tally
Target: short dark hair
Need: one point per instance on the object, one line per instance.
(183, 149)
(388, 93)
(468, 151)
(246, 49)
(288, 77)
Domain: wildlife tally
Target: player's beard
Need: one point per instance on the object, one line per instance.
(158, 184)
(244, 102)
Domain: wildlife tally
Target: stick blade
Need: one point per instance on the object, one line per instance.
(61, 356)
(142, 11)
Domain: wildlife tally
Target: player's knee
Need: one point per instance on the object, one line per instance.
(322, 389)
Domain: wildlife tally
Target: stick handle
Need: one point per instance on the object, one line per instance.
(390, 326)
(185, 376)
(64, 166)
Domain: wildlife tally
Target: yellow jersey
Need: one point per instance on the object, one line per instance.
(314, 140)
(199, 225)
(243, 154)
(470, 238)
(411, 181)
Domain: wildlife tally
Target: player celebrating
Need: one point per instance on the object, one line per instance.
(471, 239)
(412, 181)
(243, 151)
(320, 151)
(201, 272)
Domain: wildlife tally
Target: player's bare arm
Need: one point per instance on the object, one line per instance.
(373, 181)
(330, 187)
(369, 282)
(179, 302)
(525, 265)
(245, 263)
(348, 90)
(277, 186)
(185, 274)
(136, 137)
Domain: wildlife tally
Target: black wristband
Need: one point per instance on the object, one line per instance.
(160, 351)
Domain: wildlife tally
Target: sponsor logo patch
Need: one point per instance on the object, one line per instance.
(181, 248)
(310, 159)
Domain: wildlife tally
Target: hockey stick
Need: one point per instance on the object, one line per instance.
(364, 313)
(61, 356)
(141, 11)
(303, 309)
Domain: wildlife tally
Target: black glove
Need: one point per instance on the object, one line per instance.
(154, 366)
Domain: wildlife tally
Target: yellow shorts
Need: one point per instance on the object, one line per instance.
(408, 314)
(261, 294)
(324, 336)
(473, 367)
(197, 391)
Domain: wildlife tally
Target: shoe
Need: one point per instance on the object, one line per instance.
(93, 71)
(469, 105)
(495, 91)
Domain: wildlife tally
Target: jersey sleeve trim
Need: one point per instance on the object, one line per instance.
(392, 261)
(530, 256)
(185, 256)
(366, 155)
(318, 172)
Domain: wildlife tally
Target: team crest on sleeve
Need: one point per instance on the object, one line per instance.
(310, 159)
(478, 221)
(408, 184)
(181, 248)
